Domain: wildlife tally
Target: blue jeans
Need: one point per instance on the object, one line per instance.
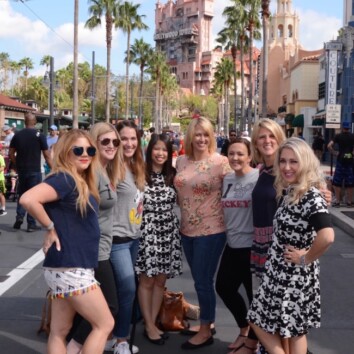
(26, 180)
(123, 257)
(203, 254)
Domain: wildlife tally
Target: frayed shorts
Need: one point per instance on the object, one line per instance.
(67, 282)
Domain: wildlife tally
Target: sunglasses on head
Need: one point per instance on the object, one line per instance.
(106, 141)
(79, 150)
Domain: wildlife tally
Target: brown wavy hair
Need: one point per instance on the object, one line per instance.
(137, 164)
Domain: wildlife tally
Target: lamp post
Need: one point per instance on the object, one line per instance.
(48, 80)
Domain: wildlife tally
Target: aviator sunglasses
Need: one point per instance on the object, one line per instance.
(79, 150)
(106, 141)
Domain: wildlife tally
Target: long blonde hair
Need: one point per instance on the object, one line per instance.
(115, 167)
(86, 181)
(270, 125)
(308, 175)
(206, 125)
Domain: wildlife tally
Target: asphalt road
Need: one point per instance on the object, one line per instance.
(20, 305)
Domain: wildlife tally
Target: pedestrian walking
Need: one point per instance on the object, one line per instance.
(344, 172)
(25, 153)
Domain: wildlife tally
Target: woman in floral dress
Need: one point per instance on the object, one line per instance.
(198, 181)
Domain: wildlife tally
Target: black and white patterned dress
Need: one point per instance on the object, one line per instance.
(288, 299)
(160, 242)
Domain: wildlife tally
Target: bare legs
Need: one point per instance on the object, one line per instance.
(93, 307)
(150, 294)
(274, 344)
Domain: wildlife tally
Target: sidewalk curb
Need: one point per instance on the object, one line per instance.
(342, 221)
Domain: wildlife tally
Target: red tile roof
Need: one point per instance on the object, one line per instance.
(10, 103)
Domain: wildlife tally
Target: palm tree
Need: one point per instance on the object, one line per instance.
(15, 69)
(129, 20)
(252, 8)
(109, 9)
(265, 25)
(5, 66)
(157, 67)
(230, 38)
(27, 64)
(224, 74)
(45, 61)
(75, 71)
(140, 53)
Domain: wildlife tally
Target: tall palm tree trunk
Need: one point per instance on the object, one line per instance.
(250, 94)
(265, 20)
(234, 57)
(242, 88)
(76, 70)
(127, 77)
(141, 97)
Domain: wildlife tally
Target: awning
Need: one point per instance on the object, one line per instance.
(318, 121)
(298, 121)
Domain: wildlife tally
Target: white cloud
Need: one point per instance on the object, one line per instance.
(317, 28)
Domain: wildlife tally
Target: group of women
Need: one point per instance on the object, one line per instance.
(110, 216)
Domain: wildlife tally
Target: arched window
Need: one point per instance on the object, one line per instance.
(280, 31)
(290, 31)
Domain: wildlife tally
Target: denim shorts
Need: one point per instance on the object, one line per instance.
(67, 282)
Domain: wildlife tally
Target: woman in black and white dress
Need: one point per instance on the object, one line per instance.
(159, 254)
(287, 303)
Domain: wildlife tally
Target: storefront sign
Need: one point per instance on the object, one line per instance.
(333, 116)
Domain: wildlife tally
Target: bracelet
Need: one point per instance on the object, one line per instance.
(50, 226)
(302, 261)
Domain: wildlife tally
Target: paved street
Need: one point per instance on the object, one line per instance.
(20, 306)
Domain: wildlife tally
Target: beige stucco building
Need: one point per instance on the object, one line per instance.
(292, 71)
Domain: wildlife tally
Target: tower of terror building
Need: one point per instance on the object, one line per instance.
(183, 31)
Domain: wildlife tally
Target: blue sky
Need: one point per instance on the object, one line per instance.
(45, 27)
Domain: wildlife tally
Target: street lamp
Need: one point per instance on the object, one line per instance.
(49, 80)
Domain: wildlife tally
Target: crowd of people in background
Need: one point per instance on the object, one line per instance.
(254, 212)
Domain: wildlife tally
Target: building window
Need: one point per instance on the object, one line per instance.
(321, 90)
(280, 31)
(290, 31)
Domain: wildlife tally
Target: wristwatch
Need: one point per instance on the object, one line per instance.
(50, 226)
(302, 261)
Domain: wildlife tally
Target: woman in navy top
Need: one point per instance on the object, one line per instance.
(66, 204)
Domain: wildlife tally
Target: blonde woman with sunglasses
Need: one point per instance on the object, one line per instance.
(66, 204)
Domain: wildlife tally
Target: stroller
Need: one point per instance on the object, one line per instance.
(11, 183)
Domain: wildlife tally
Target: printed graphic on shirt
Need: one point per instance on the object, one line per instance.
(135, 214)
(237, 195)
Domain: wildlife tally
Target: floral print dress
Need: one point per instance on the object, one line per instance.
(199, 187)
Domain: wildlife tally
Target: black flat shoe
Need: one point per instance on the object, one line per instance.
(164, 335)
(159, 341)
(190, 332)
(190, 346)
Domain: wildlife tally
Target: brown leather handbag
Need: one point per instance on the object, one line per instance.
(175, 312)
(171, 315)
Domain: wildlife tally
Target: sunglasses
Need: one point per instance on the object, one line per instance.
(105, 142)
(79, 150)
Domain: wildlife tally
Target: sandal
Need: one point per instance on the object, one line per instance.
(253, 350)
(233, 347)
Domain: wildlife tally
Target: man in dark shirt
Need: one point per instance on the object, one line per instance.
(225, 145)
(344, 166)
(25, 153)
